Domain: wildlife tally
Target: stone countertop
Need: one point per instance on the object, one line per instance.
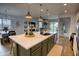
(29, 42)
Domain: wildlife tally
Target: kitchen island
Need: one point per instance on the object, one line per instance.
(39, 45)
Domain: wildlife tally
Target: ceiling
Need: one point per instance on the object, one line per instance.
(21, 9)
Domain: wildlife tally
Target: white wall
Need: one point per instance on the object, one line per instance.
(73, 23)
(19, 28)
(71, 29)
(74, 29)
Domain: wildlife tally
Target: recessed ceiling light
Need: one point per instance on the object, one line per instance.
(65, 11)
(42, 10)
(65, 4)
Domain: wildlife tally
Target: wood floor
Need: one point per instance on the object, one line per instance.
(5, 50)
(67, 48)
(65, 43)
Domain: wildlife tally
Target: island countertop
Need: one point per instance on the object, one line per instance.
(28, 42)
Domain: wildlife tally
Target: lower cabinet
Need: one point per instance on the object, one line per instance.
(50, 43)
(14, 49)
(37, 52)
(44, 48)
(40, 49)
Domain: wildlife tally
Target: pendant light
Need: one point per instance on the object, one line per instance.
(28, 15)
(47, 14)
(46, 20)
(40, 18)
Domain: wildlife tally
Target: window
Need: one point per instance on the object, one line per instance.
(5, 23)
(53, 27)
(40, 24)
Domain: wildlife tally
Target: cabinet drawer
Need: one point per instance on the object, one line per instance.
(50, 44)
(35, 47)
(44, 48)
(37, 52)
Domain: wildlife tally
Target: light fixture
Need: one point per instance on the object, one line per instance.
(47, 13)
(65, 11)
(28, 15)
(41, 10)
(40, 18)
(65, 4)
(46, 20)
(65, 8)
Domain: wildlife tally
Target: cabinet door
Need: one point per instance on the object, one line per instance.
(44, 48)
(14, 49)
(49, 44)
(37, 52)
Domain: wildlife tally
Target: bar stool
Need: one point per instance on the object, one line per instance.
(11, 33)
(5, 38)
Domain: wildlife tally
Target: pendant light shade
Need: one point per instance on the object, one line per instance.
(46, 21)
(28, 15)
(40, 18)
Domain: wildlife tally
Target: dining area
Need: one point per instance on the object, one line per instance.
(5, 42)
(4, 35)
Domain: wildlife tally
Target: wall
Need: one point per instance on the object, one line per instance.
(72, 26)
(75, 42)
(64, 25)
(17, 23)
(77, 18)
(73, 29)
(19, 28)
